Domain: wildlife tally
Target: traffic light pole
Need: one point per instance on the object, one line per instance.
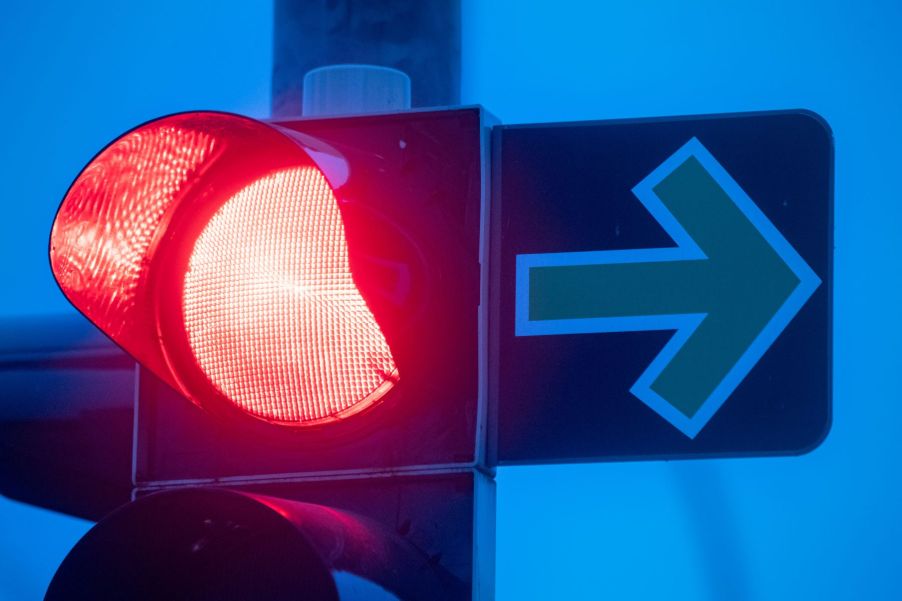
(418, 37)
(64, 383)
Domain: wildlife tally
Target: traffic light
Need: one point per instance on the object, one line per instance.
(206, 543)
(312, 287)
(211, 248)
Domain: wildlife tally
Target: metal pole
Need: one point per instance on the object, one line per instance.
(419, 37)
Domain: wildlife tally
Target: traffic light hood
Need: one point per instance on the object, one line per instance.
(207, 543)
(212, 248)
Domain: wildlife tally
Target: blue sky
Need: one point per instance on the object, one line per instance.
(825, 525)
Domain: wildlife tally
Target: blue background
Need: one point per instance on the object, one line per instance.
(826, 525)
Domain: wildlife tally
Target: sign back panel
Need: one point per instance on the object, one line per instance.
(661, 288)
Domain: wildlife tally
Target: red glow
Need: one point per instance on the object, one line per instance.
(273, 316)
(212, 249)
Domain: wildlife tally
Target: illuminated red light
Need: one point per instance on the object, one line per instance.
(212, 249)
(273, 316)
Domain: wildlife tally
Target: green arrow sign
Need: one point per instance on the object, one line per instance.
(728, 288)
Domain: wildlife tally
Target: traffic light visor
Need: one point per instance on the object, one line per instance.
(211, 247)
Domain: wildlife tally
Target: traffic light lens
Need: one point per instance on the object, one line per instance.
(272, 313)
(212, 248)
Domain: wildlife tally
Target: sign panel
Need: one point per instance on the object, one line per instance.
(662, 287)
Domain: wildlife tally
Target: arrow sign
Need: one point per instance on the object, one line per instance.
(728, 288)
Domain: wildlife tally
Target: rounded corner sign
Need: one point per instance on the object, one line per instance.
(699, 243)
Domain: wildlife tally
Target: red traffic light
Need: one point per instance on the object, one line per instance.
(282, 275)
(212, 248)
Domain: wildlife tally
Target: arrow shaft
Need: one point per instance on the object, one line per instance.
(618, 290)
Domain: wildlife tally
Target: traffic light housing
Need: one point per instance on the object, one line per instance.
(275, 270)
